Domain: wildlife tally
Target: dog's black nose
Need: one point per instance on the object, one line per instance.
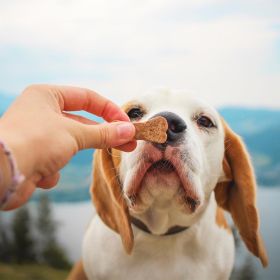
(176, 128)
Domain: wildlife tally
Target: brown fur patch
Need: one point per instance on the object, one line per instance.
(107, 196)
(116, 157)
(221, 220)
(238, 196)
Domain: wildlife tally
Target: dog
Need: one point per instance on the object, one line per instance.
(166, 202)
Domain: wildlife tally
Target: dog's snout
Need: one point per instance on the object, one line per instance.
(176, 128)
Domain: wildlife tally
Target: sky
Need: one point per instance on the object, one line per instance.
(227, 52)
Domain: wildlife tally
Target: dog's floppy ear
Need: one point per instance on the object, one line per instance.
(238, 194)
(107, 197)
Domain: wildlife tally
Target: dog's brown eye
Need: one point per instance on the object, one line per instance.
(204, 122)
(135, 113)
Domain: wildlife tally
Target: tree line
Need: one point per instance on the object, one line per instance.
(28, 239)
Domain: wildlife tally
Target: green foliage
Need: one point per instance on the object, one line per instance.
(46, 226)
(49, 250)
(6, 249)
(55, 256)
(22, 237)
(23, 247)
(31, 272)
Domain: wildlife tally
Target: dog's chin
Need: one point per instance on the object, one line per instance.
(161, 185)
(161, 202)
(161, 190)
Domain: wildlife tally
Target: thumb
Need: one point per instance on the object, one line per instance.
(106, 135)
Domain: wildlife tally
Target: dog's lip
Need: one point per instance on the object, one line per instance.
(163, 166)
(190, 195)
(145, 167)
(142, 170)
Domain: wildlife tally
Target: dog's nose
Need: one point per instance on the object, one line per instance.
(176, 128)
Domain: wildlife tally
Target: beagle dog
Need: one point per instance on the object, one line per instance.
(161, 207)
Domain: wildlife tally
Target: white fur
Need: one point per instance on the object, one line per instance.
(205, 250)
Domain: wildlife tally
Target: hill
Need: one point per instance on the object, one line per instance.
(258, 127)
(260, 130)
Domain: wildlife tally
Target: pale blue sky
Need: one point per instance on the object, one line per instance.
(227, 52)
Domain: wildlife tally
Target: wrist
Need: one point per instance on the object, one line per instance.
(19, 151)
(10, 177)
(5, 171)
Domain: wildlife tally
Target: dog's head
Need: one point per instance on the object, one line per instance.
(169, 185)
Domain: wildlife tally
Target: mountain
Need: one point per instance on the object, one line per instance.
(259, 127)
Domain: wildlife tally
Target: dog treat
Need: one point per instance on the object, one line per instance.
(153, 130)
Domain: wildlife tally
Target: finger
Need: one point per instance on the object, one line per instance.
(76, 99)
(129, 147)
(49, 182)
(78, 118)
(104, 135)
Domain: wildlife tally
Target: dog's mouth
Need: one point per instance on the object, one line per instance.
(163, 165)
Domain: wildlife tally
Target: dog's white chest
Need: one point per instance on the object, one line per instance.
(171, 257)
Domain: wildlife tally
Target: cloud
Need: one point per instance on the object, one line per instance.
(122, 48)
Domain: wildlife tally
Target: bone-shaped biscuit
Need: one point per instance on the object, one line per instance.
(153, 130)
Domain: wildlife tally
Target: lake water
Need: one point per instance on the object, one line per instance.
(73, 219)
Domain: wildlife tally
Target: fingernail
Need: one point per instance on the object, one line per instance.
(125, 130)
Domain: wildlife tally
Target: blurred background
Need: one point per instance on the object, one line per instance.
(226, 52)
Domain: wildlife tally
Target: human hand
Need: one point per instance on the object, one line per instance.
(43, 137)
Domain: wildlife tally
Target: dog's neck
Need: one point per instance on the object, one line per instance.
(167, 221)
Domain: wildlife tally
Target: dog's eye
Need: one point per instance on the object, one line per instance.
(135, 113)
(204, 122)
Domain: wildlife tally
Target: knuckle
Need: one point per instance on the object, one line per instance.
(49, 92)
(104, 136)
(33, 87)
(107, 105)
(81, 144)
(29, 89)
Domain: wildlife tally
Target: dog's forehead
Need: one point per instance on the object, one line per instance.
(171, 100)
